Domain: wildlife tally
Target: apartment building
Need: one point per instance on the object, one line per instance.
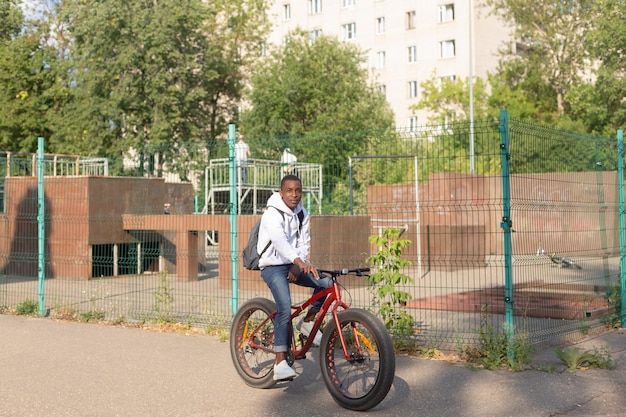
(406, 41)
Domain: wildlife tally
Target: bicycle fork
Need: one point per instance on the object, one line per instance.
(356, 335)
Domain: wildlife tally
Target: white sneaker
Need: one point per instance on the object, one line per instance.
(305, 328)
(283, 371)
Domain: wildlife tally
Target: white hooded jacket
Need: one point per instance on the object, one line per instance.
(288, 240)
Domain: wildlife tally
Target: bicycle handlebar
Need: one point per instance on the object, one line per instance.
(359, 272)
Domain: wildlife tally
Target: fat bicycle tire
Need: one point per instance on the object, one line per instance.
(255, 366)
(364, 380)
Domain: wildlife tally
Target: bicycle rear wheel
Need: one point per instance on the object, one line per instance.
(363, 380)
(255, 364)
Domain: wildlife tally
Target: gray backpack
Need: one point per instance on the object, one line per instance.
(250, 255)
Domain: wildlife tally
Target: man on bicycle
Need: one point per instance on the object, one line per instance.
(285, 261)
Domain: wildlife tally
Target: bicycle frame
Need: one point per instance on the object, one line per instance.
(332, 303)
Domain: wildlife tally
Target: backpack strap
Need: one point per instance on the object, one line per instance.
(300, 221)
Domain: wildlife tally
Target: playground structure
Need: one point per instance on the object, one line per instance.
(263, 178)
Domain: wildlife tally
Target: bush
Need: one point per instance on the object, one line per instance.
(26, 308)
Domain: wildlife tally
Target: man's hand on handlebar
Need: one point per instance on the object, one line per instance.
(300, 266)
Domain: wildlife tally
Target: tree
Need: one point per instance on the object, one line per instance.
(602, 104)
(25, 81)
(448, 100)
(448, 104)
(317, 98)
(549, 56)
(236, 32)
(156, 80)
(134, 70)
(313, 87)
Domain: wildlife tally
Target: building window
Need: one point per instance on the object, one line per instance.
(448, 77)
(315, 6)
(413, 124)
(412, 89)
(446, 13)
(410, 20)
(286, 11)
(348, 3)
(348, 31)
(447, 49)
(412, 54)
(383, 89)
(380, 25)
(314, 34)
(381, 59)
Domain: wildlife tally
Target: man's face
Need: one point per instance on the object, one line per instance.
(291, 193)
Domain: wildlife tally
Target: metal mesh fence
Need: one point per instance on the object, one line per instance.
(146, 248)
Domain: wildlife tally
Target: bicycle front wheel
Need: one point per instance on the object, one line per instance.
(254, 358)
(362, 380)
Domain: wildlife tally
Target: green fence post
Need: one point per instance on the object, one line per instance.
(622, 232)
(41, 225)
(506, 225)
(232, 182)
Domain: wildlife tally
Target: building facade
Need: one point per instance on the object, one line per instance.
(406, 41)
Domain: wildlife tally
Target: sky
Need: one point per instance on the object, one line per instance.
(34, 8)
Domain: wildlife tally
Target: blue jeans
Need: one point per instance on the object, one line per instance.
(276, 279)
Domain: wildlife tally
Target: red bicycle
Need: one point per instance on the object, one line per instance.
(357, 358)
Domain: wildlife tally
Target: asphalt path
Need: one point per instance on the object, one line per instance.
(53, 368)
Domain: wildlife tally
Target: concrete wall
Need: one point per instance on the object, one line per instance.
(458, 227)
(80, 212)
(460, 215)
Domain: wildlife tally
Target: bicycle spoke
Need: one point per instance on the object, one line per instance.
(360, 376)
(357, 375)
(253, 346)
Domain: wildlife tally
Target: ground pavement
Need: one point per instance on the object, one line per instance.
(51, 368)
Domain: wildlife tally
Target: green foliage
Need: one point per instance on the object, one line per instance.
(605, 109)
(386, 297)
(497, 350)
(543, 75)
(448, 100)
(613, 297)
(135, 70)
(603, 359)
(26, 308)
(316, 99)
(312, 87)
(11, 17)
(140, 79)
(27, 77)
(550, 52)
(576, 358)
(91, 315)
(163, 300)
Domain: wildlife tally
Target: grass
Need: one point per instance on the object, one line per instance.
(498, 349)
